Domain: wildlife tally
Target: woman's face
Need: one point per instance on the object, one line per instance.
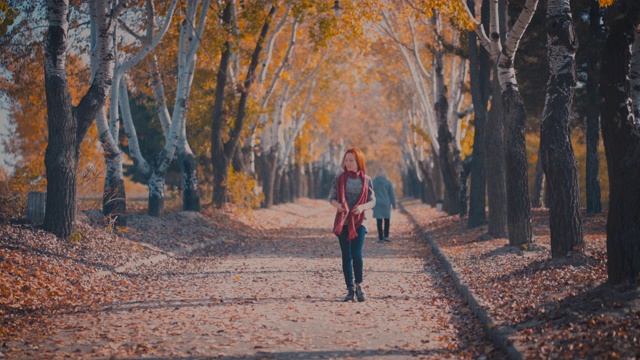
(350, 162)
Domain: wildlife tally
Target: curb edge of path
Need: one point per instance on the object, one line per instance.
(499, 334)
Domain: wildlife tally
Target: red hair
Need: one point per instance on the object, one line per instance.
(359, 159)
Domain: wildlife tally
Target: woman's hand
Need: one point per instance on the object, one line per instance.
(338, 206)
(358, 210)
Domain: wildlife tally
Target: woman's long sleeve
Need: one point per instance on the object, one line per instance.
(371, 197)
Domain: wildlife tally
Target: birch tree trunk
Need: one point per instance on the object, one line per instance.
(221, 152)
(220, 117)
(268, 161)
(68, 126)
(621, 137)
(496, 178)
(114, 207)
(174, 128)
(594, 204)
(634, 74)
(449, 154)
(494, 128)
(60, 157)
(558, 159)
(189, 169)
(518, 202)
(480, 74)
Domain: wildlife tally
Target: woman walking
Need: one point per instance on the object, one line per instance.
(385, 200)
(352, 194)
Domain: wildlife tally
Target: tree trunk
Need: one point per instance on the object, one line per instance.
(495, 164)
(594, 204)
(621, 137)
(268, 162)
(220, 180)
(66, 126)
(538, 190)
(518, 204)
(480, 73)
(189, 169)
(277, 188)
(299, 190)
(222, 152)
(558, 159)
(60, 158)
(465, 171)
(156, 193)
(311, 181)
(220, 118)
(239, 160)
(114, 199)
(429, 184)
(449, 158)
(285, 186)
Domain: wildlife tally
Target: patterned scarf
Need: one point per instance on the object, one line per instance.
(353, 221)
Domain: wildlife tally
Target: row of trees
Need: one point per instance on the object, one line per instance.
(282, 87)
(433, 153)
(285, 64)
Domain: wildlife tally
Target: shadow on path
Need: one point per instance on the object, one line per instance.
(327, 354)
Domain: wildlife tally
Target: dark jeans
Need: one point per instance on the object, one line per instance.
(352, 255)
(386, 229)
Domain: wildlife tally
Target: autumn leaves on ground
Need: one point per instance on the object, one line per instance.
(267, 284)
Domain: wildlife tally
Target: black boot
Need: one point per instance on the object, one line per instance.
(350, 294)
(360, 294)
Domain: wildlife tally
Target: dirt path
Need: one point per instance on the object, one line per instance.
(277, 296)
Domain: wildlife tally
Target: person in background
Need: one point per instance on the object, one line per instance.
(352, 194)
(385, 201)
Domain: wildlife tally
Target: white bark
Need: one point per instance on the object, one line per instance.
(234, 69)
(297, 123)
(127, 65)
(273, 134)
(491, 43)
(506, 70)
(105, 44)
(107, 141)
(423, 88)
(119, 96)
(285, 61)
(156, 185)
(130, 130)
(57, 16)
(504, 57)
(190, 40)
(634, 75)
(270, 45)
(159, 96)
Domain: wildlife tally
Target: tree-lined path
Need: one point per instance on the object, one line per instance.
(277, 296)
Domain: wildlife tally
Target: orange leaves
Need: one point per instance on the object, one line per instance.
(561, 307)
(605, 3)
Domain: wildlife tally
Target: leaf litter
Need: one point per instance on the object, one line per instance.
(554, 308)
(267, 284)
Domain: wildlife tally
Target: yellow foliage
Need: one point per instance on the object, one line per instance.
(605, 3)
(467, 141)
(580, 151)
(243, 190)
